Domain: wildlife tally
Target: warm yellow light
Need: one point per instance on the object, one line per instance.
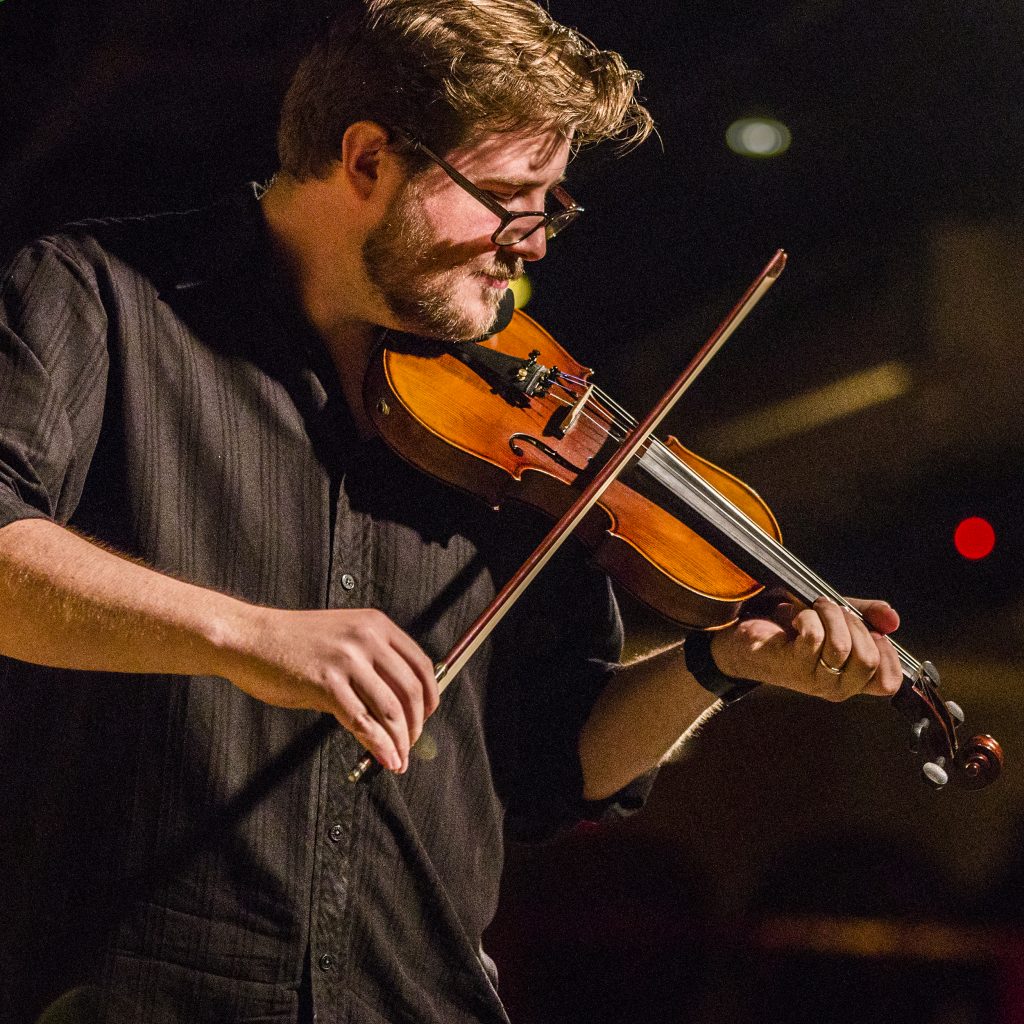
(758, 137)
(814, 409)
(521, 290)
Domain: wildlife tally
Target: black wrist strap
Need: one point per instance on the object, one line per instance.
(701, 665)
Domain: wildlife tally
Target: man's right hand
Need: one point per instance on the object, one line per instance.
(355, 664)
(69, 603)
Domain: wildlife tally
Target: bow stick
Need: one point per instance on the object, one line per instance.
(446, 671)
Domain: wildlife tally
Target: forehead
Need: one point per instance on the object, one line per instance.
(527, 156)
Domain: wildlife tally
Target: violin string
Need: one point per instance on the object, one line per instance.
(617, 424)
(602, 429)
(678, 468)
(668, 460)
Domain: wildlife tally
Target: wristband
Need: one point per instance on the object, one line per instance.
(701, 665)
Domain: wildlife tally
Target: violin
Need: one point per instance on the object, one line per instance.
(516, 417)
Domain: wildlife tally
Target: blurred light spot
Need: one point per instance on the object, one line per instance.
(813, 409)
(974, 538)
(758, 137)
(521, 290)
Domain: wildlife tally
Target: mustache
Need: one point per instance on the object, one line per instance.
(505, 269)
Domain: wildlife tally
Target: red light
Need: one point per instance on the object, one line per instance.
(974, 538)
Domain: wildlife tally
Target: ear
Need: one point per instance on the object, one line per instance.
(365, 158)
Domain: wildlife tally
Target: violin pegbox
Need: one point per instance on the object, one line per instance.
(933, 734)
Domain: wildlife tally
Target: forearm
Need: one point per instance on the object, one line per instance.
(638, 719)
(69, 603)
(648, 706)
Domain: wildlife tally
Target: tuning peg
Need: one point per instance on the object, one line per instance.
(934, 774)
(917, 731)
(956, 712)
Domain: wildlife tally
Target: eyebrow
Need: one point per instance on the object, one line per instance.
(518, 183)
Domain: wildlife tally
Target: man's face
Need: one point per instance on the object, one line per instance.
(431, 258)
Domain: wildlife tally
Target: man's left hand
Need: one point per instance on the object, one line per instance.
(826, 650)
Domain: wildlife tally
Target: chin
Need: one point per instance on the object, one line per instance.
(465, 320)
(450, 309)
(468, 328)
(479, 323)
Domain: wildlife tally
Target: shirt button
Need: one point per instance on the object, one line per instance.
(348, 581)
(334, 832)
(326, 962)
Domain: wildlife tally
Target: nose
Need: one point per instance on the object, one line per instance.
(533, 247)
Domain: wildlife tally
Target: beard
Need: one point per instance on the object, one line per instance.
(420, 277)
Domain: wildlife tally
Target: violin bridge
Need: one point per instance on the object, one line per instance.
(573, 413)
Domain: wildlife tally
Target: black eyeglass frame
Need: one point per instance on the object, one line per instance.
(553, 223)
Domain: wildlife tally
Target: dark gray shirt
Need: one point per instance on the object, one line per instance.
(174, 846)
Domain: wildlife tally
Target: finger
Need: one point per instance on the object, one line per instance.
(377, 680)
(421, 666)
(400, 677)
(809, 630)
(783, 614)
(386, 709)
(836, 644)
(864, 655)
(354, 715)
(889, 677)
(879, 615)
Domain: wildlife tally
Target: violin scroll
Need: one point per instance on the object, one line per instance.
(978, 762)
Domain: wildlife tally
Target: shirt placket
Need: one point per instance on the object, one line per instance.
(339, 800)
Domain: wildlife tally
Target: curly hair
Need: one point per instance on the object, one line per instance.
(448, 71)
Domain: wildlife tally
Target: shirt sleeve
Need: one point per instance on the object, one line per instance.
(53, 368)
(569, 643)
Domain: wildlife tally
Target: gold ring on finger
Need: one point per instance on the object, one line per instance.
(830, 668)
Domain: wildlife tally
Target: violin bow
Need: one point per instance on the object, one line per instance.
(445, 671)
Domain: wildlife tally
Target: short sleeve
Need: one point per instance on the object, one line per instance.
(53, 369)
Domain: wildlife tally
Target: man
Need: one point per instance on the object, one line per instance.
(218, 586)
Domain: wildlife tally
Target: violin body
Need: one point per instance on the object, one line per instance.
(445, 416)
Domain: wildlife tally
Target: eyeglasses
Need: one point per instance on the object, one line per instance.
(514, 227)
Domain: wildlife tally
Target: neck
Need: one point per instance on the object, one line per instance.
(313, 237)
(351, 351)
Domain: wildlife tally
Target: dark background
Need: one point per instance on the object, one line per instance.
(899, 204)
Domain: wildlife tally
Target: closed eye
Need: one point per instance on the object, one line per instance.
(506, 192)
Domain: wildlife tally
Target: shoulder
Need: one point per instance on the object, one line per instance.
(170, 250)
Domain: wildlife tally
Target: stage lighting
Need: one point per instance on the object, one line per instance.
(521, 290)
(974, 538)
(758, 137)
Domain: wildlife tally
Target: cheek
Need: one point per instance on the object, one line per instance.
(464, 231)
